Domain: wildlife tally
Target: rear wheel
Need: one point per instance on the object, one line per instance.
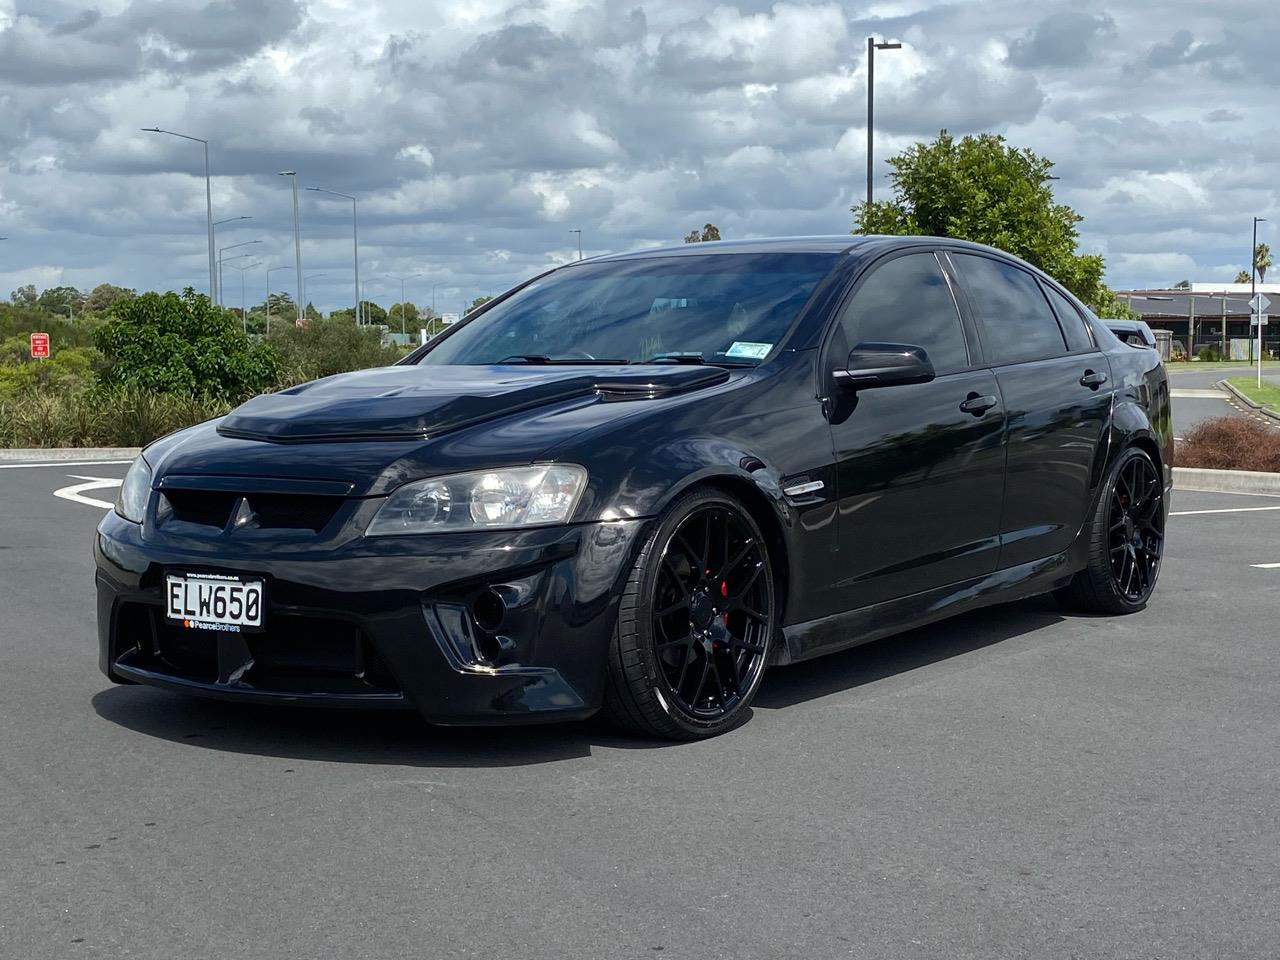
(1126, 541)
(696, 622)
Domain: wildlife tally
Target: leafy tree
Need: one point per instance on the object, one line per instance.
(372, 312)
(325, 347)
(311, 313)
(1242, 276)
(709, 232)
(981, 189)
(104, 296)
(1262, 261)
(1182, 285)
(410, 314)
(478, 302)
(25, 295)
(281, 306)
(182, 344)
(65, 301)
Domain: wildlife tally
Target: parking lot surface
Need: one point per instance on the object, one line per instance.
(1014, 783)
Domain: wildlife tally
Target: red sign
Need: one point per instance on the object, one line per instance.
(39, 345)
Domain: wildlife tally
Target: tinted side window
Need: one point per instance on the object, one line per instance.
(907, 300)
(1017, 323)
(1069, 318)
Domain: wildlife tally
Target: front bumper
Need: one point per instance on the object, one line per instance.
(379, 622)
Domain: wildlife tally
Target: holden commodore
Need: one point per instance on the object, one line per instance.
(635, 482)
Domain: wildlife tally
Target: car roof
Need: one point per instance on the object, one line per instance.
(837, 244)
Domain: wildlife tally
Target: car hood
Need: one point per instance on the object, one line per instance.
(421, 402)
(376, 429)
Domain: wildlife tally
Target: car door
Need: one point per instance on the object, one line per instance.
(919, 467)
(1056, 390)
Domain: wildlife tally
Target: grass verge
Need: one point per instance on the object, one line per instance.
(1268, 395)
(126, 417)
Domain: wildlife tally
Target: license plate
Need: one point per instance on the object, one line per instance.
(210, 601)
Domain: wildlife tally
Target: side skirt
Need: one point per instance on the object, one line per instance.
(814, 638)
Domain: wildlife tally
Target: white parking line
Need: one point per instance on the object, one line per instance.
(1266, 566)
(63, 463)
(1193, 513)
(73, 492)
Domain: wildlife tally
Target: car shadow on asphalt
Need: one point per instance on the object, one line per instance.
(402, 738)
(904, 652)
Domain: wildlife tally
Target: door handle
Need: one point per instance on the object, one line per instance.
(977, 405)
(1093, 380)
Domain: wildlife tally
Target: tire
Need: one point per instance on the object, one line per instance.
(1126, 541)
(696, 624)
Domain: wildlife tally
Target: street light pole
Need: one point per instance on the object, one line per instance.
(297, 242)
(221, 250)
(872, 47)
(208, 198)
(244, 311)
(355, 241)
(1253, 289)
(579, 233)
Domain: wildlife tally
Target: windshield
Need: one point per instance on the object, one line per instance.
(714, 308)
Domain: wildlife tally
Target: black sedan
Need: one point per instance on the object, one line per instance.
(635, 482)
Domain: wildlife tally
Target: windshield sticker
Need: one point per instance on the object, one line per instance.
(745, 348)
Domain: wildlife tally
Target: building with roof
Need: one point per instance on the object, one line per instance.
(1209, 314)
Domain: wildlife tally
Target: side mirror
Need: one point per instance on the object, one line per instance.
(884, 365)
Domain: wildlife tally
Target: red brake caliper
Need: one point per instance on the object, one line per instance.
(724, 592)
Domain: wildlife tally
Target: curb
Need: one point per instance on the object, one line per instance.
(1226, 481)
(59, 454)
(1265, 411)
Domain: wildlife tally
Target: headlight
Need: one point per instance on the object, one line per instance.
(135, 490)
(488, 499)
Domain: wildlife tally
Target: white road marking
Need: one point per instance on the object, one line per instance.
(1188, 393)
(73, 492)
(1193, 513)
(62, 463)
(1266, 566)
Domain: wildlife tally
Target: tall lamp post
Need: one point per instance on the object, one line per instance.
(872, 47)
(297, 242)
(355, 241)
(271, 270)
(217, 223)
(221, 250)
(208, 198)
(579, 233)
(411, 276)
(1253, 288)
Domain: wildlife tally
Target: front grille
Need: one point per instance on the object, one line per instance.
(206, 507)
(267, 511)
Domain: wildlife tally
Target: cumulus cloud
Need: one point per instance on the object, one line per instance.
(478, 133)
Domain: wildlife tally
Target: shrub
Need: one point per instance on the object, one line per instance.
(1209, 353)
(325, 347)
(1231, 443)
(182, 344)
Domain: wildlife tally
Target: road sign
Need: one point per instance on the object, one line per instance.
(448, 319)
(39, 346)
(1258, 318)
(1259, 303)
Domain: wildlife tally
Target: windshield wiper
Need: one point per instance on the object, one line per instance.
(697, 360)
(542, 360)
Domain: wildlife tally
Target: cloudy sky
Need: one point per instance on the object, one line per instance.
(478, 133)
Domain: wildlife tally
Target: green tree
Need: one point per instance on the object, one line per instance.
(64, 301)
(174, 343)
(981, 189)
(1242, 276)
(1262, 261)
(410, 315)
(25, 295)
(478, 302)
(709, 232)
(104, 296)
(372, 312)
(1182, 285)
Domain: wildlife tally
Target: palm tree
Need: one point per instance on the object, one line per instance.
(1242, 276)
(1262, 261)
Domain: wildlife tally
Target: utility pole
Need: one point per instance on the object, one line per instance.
(1253, 289)
(579, 233)
(872, 47)
(297, 243)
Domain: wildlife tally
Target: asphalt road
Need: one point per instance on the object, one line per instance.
(1014, 783)
(1194, 398)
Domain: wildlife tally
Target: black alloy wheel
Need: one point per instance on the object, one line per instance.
(1136, 529)
(1126, 540)
(697, 622)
